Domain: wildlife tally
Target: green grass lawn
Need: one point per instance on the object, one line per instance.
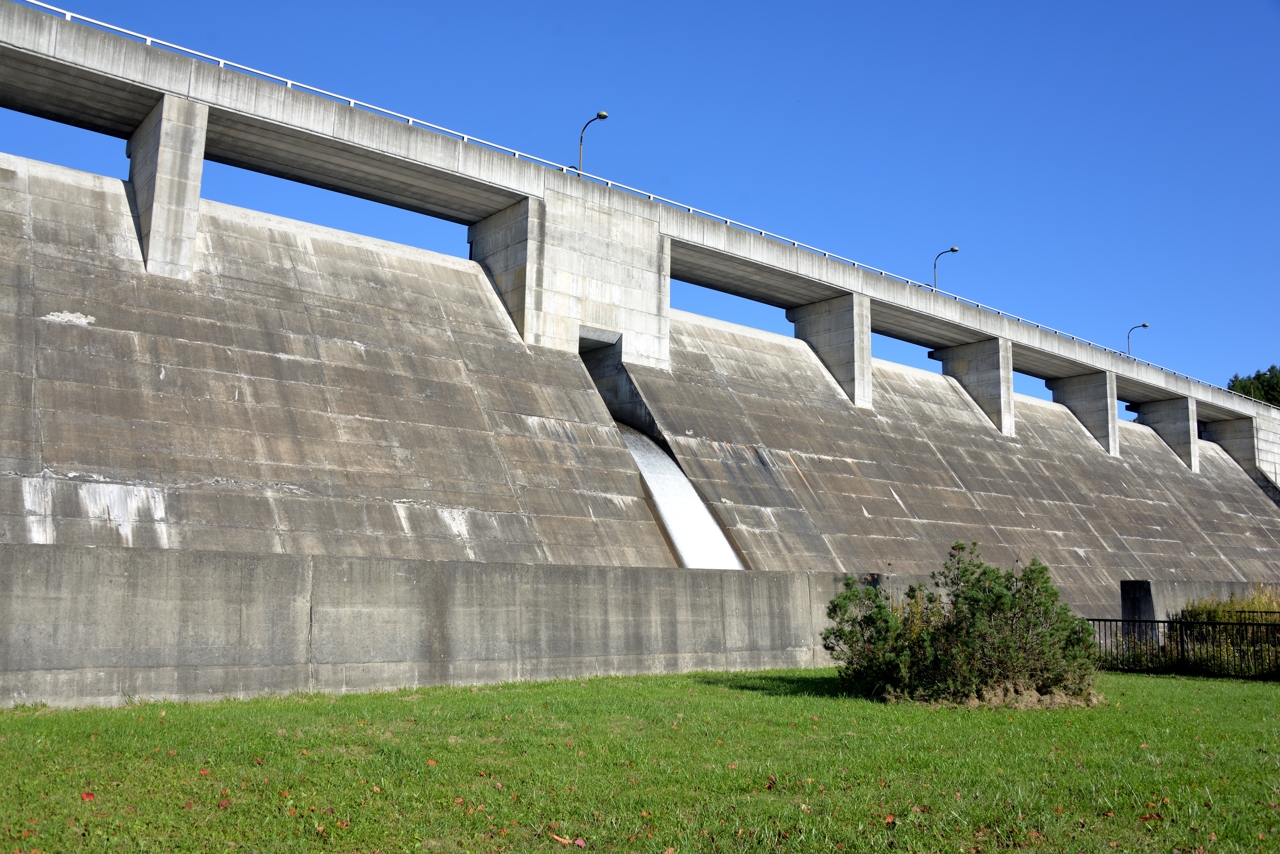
(699, 762)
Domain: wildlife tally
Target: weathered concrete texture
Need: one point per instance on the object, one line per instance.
(166, 161)
(305, 392)
(603, 254)
(1175, 422)
(803, 480)
(985, 370)
(94, 626)
(839, 331)
(1092, 399)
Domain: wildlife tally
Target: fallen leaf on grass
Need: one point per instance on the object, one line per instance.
(224, 803)
(925, 809)
(86, 796)
(889, 819)
(561, 840)
(204, 772)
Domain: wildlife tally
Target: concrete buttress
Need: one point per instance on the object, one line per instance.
(985, 370)
(1175, 422)
(166, 160)
(839, 331)
(1092, 400)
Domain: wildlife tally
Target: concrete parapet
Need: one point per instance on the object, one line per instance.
(1174, 421)
(166, 160)
(839, 331)
(985, 370)
(1092, 400)
(95, 626)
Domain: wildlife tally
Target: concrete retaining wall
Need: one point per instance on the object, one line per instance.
(93, 626)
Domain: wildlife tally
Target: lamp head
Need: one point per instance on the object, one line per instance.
(602, 115)
(954, 249)
(1146, 325)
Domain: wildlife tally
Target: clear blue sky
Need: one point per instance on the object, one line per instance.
(1100, 164)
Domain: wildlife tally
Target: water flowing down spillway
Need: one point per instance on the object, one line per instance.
(699, 542)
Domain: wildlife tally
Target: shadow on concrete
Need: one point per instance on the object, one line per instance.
(777, 684)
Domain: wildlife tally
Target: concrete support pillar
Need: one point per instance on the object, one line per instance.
(1175, 422)
(839, 331)
(166, 160)
(572, 260)
(509, 245)
(1254, 443)
(1092, 400)
(985, 370)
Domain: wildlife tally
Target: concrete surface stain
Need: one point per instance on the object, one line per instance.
(71, 318)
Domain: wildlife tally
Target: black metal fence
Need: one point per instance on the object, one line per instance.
(1242, 650)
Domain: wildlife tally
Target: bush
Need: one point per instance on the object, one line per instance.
(985, 634)
(1257, 606)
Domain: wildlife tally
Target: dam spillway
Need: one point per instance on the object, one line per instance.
(247, 454)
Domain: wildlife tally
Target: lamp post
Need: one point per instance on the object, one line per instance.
(600, 116)
(935, 263)
(1128, 343)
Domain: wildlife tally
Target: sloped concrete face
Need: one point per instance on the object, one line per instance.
(305, 392)
(805, 481)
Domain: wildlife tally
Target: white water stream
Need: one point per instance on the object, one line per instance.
(699, 542)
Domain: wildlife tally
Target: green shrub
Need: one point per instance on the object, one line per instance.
(982, 633)
(1255, 607)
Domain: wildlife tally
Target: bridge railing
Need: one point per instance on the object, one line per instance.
(493, 146)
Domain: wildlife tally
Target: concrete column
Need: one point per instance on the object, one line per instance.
(985, 370)
(166, 160)
(509, 245)
(839, 331)
(574, 259)
(1254, 443)
(1092, 400)
(1175, 422)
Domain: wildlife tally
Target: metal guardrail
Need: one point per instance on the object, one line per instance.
(1236, 649)
(493, 146)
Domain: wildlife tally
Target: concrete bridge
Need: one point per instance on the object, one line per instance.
(815, 459)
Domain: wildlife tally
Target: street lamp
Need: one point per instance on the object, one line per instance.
(935, 263)
(1128, 345)
(600, 116)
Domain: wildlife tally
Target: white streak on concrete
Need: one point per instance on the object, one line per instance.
(73, 318)
(37, 500)
(698, 540)
(403, 512)
(123, 504)
(456, 519)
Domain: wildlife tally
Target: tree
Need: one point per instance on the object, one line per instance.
(1263, 385)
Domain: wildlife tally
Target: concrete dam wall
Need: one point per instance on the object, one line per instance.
(242, 454)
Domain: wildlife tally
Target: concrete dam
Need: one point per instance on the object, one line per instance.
(243, 454)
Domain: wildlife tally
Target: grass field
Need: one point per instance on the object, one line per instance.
(700, 762)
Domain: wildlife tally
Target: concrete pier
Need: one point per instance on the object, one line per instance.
(1175, 422)
(1092, 399)
(839, 331)
(166, 160)
(985, 370)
